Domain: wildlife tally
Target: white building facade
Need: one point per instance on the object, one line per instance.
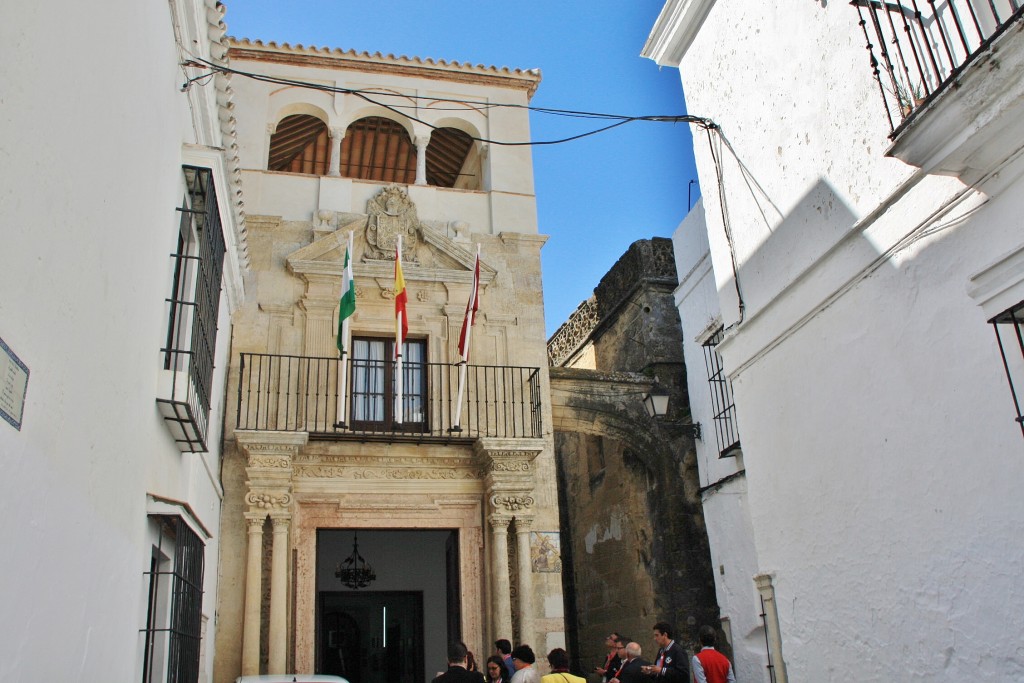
(723, 485)
(862, 201)
(123, 250)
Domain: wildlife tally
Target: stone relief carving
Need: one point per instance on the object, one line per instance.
(512, 503)
(412, 474)
(516, 466)
(391, 214)
(269, 461)
(335, 472)
(518, 455)
(321, 472)
(268, 501)
(574, 332)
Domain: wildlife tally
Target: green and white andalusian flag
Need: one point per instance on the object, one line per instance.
(347, 306)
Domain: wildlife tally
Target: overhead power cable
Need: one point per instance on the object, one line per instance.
(369, 95)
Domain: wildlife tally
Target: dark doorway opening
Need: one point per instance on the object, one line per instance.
(371, 636)
(397, 628)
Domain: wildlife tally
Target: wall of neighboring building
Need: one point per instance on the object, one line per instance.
(722, 480)
(631, 516)
(863, 370)
(92, 130)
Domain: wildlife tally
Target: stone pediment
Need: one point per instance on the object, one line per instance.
(429, 254)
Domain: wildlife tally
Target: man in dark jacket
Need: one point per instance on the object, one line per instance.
(670, 664)
(457, 672)
(631, 670)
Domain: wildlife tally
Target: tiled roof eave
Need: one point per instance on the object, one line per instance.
(336, 58)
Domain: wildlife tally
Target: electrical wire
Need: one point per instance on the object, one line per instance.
(368, 96)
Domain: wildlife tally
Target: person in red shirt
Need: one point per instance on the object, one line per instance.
(709, 665)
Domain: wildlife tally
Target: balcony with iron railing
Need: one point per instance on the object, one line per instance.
(313, 395)
(918, 49)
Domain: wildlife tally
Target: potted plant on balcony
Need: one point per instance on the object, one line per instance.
(909, 96)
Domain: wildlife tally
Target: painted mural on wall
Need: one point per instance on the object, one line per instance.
(545, 551)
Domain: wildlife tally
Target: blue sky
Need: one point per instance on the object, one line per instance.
(595, 196)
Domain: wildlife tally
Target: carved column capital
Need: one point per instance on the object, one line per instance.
(275, 503)
(499, 523)
(422, 141)
(281, 522)
(254, 521)
(523, 524)
(512, 502)
(337, 132)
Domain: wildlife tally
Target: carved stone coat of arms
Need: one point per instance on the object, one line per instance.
(391, 213)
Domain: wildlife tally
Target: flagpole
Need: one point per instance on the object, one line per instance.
(464, 352)
(398, 340)
(346, 334)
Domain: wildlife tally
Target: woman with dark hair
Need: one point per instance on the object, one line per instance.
(496, 671)
(559, 661)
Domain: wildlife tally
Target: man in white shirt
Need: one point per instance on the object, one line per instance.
(523, 659)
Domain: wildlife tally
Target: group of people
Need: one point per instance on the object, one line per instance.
(506, 665)
(624, 663)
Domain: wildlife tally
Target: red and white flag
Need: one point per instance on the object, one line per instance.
(472, 306)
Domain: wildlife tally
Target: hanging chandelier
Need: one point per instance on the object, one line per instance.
(355, 572)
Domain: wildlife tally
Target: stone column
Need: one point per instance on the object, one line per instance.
(421, 159)
(279, 596)
(253, 596)
(485, 167)
(523, 525)
(501, 618)
(269, 469)
(334, 168)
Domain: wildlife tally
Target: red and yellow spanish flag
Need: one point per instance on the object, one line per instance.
(401, 299)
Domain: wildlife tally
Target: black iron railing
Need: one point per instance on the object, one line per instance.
(301, 394)
(918, 47)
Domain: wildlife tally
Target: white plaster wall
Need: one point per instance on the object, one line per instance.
(726, 510)
(876, 424)
(92, 125)
(507, 204)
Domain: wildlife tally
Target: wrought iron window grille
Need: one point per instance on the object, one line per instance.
(193, 306)
(1009, 329)
(724, 409)
(173, 630)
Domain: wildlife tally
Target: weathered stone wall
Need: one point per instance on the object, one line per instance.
(636, 547)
